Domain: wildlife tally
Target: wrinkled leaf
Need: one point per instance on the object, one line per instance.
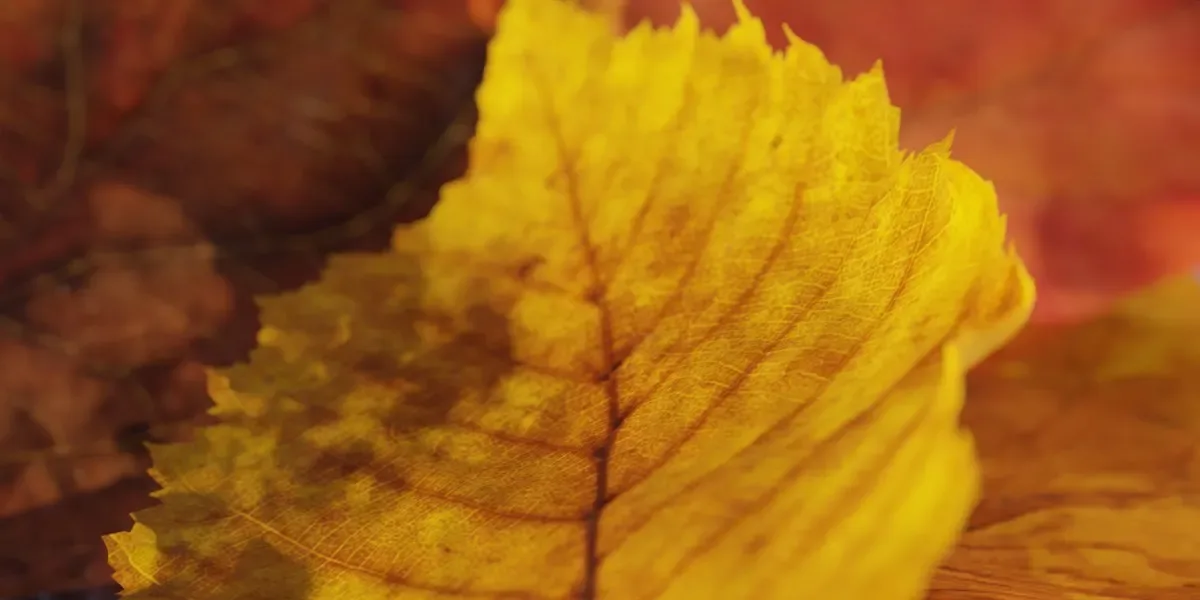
(1091, 460)
(692, 326)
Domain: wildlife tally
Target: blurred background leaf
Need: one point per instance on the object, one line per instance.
(1088, 435)
(161, 162)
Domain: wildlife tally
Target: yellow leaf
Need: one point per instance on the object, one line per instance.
(691, 327)
(1090, 442)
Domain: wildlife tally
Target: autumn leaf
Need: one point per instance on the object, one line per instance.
(691, 326)
(1081, 112)
(1088, 437)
